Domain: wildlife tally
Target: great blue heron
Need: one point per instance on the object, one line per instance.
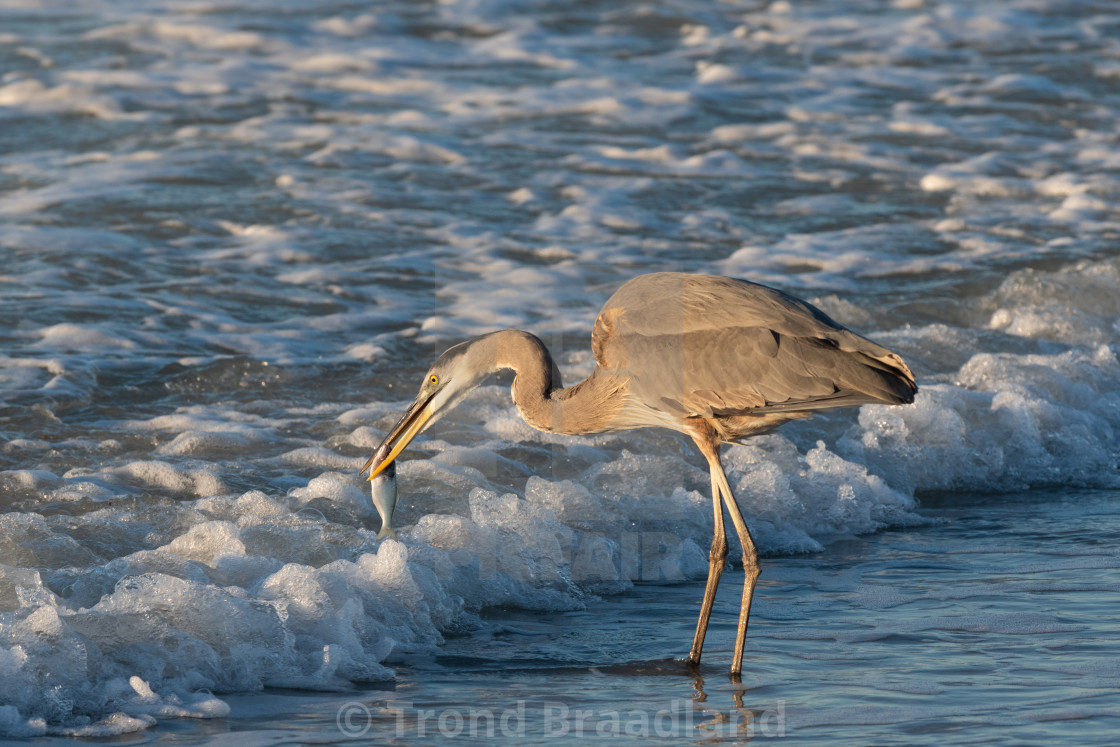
(715, 358)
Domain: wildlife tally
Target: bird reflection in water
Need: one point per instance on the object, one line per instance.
(709, 719)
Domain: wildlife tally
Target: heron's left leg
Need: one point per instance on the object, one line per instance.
(751, 567)
(717, 559)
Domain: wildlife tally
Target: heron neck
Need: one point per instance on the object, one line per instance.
(541, 398)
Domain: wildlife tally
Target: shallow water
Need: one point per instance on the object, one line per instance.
(235, 234)
(992, 625)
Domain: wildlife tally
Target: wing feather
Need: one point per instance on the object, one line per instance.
(709, 346)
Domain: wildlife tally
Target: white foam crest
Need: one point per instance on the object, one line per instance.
(72, 178)
(207, 431)
(1077, 304)
(210, 443)
(29, 376)
(163, 627)
(511, 47)
(157, 474)
(317, 456)
(207, 543)
(834, 259)
(399, 148)
(387, 85)
(358, 25)
(191, 34)
(28, 541)
(30, 96)
(496, 299)
(331, 63)
(112, 725)
(204, 418)
(246, 510)
(1010, 422)
(506, 552)
(336, 488)
(69, 336)
(794, 503)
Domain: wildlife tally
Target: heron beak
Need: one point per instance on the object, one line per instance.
(413, 421)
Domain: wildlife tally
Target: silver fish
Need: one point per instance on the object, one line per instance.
(384, 491)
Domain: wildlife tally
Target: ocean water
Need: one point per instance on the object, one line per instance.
(235, 234)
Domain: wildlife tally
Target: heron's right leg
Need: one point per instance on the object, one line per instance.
(717, 559)
(751, 567)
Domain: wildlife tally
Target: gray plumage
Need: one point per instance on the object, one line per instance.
(741, 355)
(716, 358)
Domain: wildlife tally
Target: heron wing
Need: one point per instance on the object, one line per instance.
(709, 346)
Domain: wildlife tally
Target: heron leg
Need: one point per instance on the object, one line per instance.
(751, 568)
(717, 559)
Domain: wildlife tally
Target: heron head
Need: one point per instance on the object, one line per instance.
(453, 376)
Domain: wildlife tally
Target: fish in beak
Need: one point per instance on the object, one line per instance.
(383, 488)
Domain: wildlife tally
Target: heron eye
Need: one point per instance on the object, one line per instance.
(433, 380)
